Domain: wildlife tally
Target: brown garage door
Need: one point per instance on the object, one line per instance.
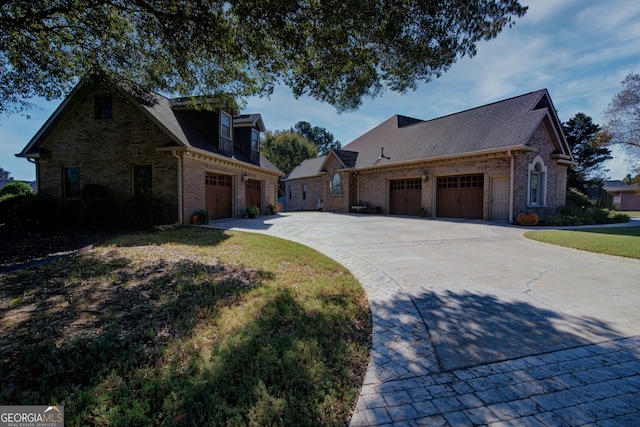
(405, 196)
(218, 193)
(252, 193)
(460, 196)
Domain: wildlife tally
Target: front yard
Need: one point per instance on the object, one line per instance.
(619, 241)
(186, 327)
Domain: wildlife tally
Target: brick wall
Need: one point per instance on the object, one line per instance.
(373, 186)
(106, 150)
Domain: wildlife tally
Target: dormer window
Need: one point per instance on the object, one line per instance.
(225, 125)
(255, 140)
(103, 105)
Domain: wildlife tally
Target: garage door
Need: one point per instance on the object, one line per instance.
(460, 196)
(405, 196)
(218, 193)
(252, 193)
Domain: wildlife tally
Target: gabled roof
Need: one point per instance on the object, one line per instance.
(164, 112)
(249, 120)
(499, 126)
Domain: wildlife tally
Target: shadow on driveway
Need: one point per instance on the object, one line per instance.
(469, 329)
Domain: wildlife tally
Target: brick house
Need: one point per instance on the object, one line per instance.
(141, 143)
(491, 162)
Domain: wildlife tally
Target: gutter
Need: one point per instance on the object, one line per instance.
(175, 154)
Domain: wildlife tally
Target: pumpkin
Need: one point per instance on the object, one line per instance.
(527, 219)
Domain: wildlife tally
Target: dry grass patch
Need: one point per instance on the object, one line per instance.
(186, 327)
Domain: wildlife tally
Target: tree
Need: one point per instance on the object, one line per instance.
(337, 51)
(581, 135)
(5, 175)
(287, 149)
(319, 136)
(623, 119)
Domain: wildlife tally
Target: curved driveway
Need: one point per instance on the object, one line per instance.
(474, 324)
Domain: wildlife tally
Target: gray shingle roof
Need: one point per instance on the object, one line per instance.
(617, 185)
(162, 112)
(506, 124)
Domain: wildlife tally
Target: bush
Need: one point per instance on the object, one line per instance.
(17, 188)
(204, 216)
(98, 209)
(253, 211)
(41, 212)
(581, 211)
(143, 212)
(8, 206)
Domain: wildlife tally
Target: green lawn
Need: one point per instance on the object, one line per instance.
(188, 327)
(619, 241)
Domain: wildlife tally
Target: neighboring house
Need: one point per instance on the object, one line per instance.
(138, 143)
(492, 162)
(625, 195)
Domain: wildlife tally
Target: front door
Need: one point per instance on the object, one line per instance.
(252, 194)
(218, 194)
(500, 198)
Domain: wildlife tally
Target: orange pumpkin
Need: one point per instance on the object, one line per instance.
(527, 219)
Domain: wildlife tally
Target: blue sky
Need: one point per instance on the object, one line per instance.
(580, 50)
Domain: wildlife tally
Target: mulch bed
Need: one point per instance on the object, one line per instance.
(24, 246)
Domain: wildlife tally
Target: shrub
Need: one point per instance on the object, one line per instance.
(204, 216)
(253, 211)
(581, 211)
(17, 188)
(143, 212)
(93, 191)
(98, 209)
(620, 217)
(38, 212)
(8, 207)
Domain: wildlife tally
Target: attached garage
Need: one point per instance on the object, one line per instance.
(218, 195)
(460, 196)
(405, 196)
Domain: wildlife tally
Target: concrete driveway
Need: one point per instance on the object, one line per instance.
(457, 302)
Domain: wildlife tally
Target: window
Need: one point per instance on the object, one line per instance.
(72, 183)
(335, 186)
(290, 193)
(537, 180)
(304, 191)
(142, 180)
(255, 140)
(225, 125)
(103, 107)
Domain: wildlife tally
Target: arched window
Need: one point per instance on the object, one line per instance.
(537, 182)
(335, 186)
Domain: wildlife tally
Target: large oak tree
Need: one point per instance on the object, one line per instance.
(337, 51)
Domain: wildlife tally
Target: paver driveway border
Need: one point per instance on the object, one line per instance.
(591, 378)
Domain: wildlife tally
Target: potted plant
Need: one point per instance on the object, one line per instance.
(422, 212)
(204, 216)
(272, 209)
(252, 211)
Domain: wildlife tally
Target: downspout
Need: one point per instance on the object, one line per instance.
(34, 161)
(511, 185)
(175, 154)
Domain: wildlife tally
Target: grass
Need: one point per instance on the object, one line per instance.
(631, 213)
(186, 327)
(619, 241)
